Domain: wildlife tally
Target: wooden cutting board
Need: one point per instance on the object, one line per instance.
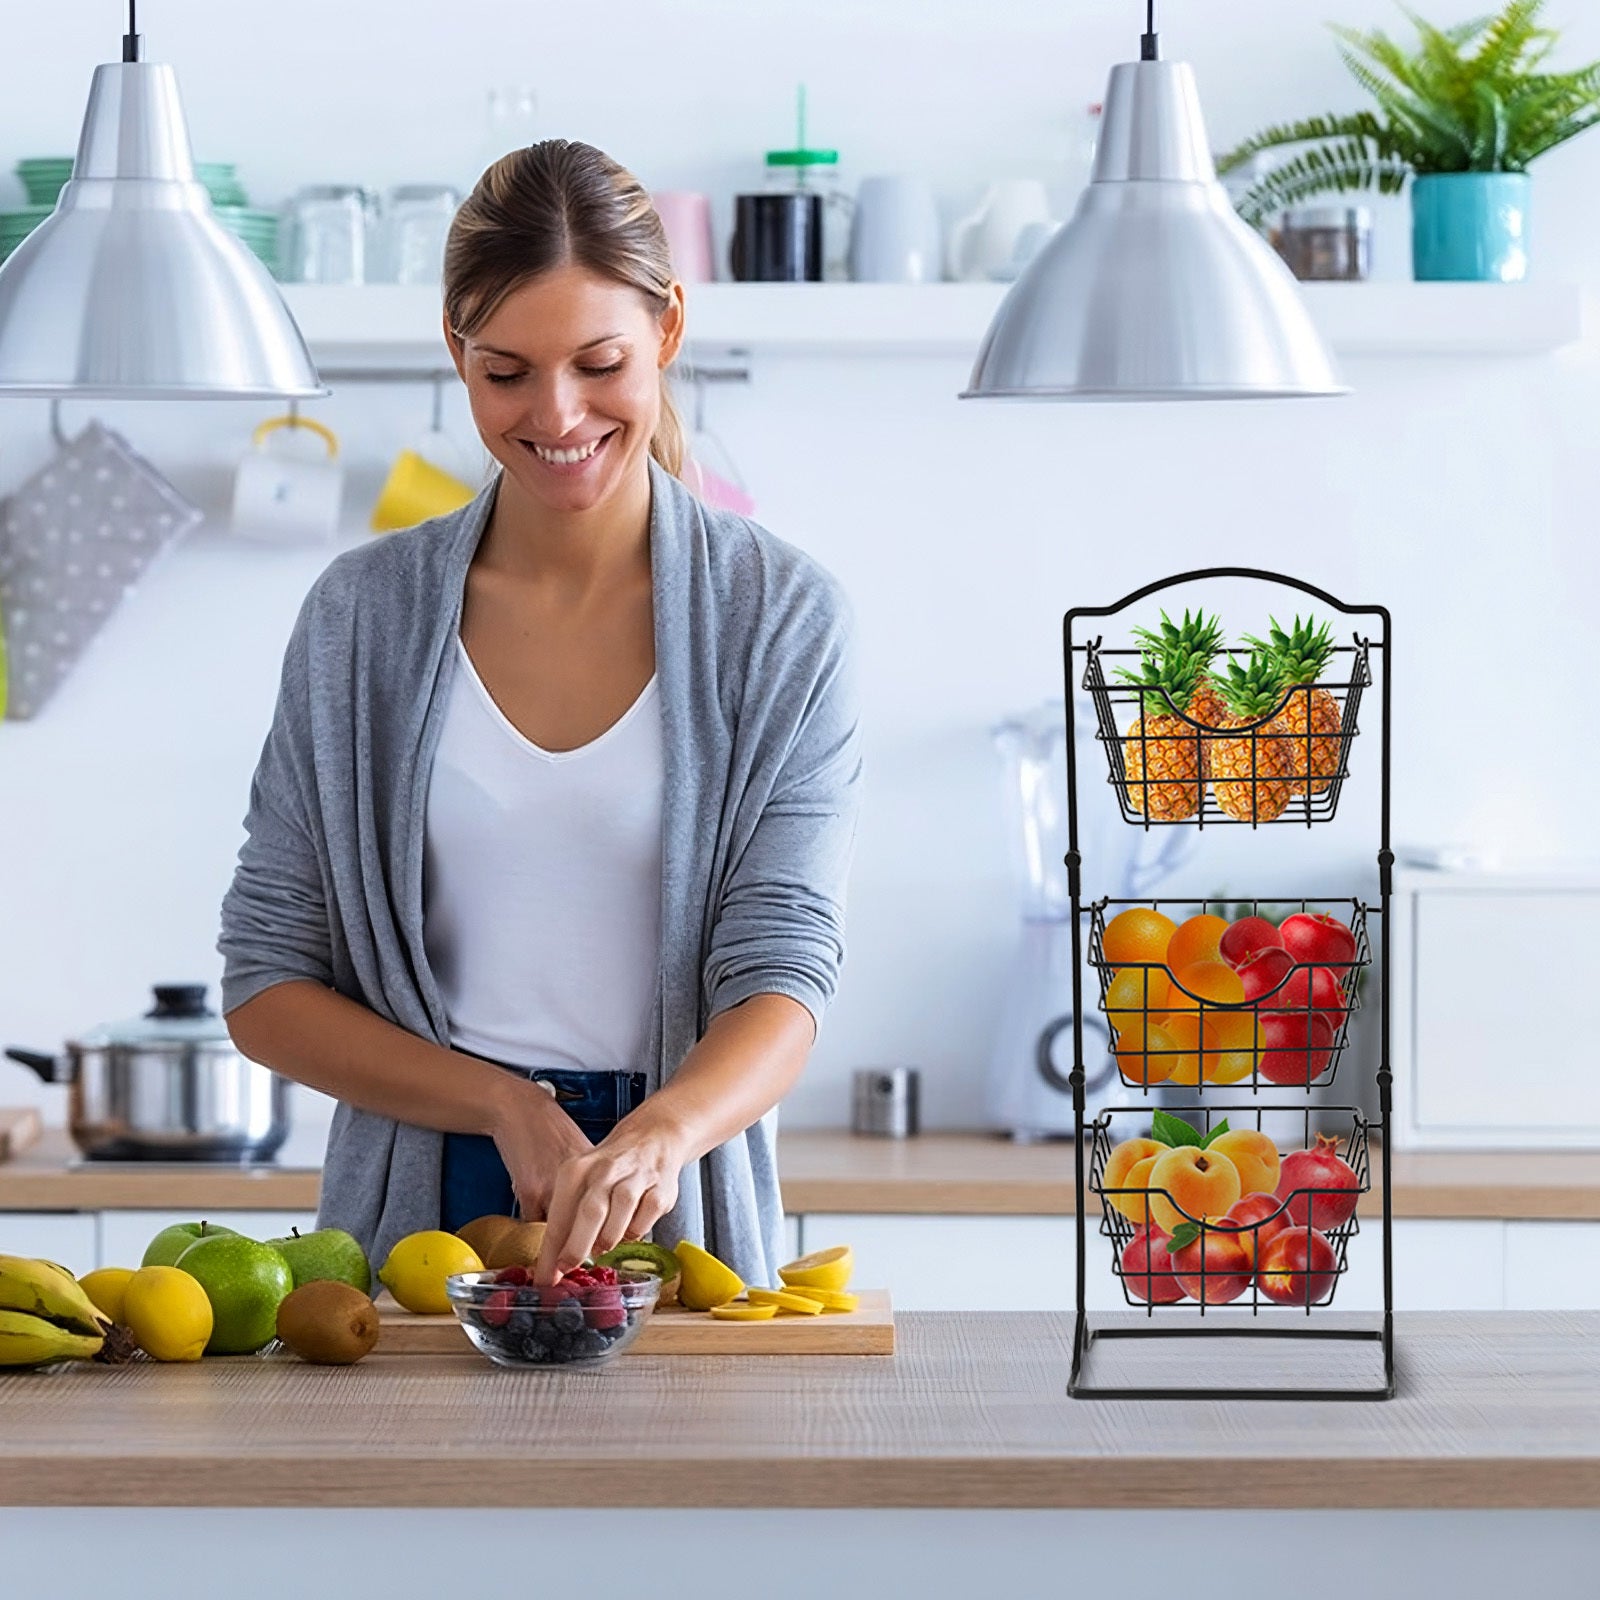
(672, 1331)
(19, 1127)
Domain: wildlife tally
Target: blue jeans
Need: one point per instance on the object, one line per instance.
(474, 1181)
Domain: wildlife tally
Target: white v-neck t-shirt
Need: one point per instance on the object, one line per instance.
(542, 884)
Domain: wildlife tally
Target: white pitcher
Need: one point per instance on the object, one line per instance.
(986, 242)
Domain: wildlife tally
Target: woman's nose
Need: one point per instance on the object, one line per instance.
(555, 407)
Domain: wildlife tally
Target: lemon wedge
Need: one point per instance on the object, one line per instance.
(738, 1311)
(704, 1282)
(833, 1299)
(822, 1269)
(784, 1300)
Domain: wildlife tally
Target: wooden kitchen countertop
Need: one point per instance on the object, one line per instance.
(1495, 1409)
(834, 1172)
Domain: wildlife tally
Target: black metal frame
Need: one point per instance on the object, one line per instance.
(1161, 1321)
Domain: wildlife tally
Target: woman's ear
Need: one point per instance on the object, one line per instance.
(673, 322)
(458, 351)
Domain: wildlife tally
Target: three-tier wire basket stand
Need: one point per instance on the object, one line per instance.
(1157, 765)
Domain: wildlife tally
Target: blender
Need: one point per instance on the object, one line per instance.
(1027, 1092)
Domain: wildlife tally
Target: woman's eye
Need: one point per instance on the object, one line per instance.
(602, 372)
(502, 377)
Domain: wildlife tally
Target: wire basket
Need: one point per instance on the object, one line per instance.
(1206, 1277)
(1262, 772)
(1292, 1035)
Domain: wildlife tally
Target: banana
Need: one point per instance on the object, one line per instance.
(42, 1289)
(28, 1341)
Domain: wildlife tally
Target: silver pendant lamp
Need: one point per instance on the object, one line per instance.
(132, 289)
(1154, 289)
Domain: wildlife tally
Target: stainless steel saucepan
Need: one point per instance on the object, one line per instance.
(167, 1086)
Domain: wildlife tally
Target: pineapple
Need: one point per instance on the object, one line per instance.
(1161, 754)
(1302, 653)
(1199, 636)
(1252, 776)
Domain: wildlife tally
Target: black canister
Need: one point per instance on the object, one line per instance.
(777, 238)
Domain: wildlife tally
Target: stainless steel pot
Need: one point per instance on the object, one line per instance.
(168, 1086)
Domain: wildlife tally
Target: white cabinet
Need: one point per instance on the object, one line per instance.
(124, 1234)
(1553, 1266)
(65, 1237)
(1438, 1266)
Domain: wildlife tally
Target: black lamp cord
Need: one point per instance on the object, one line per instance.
(1149, 45)
(130, 40)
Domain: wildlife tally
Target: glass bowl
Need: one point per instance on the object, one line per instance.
(521, 1325)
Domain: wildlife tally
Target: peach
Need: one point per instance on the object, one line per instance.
(1134, 1207)
(1196, 1183)
(1147, 1270)
(1258, 1219)
(1125, 1156)
(1298, 1268)
(1254, 1154)
(1214, 1267)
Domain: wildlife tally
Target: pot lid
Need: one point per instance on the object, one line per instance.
(180, 1016)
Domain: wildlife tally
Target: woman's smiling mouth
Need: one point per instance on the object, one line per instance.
(571, 456)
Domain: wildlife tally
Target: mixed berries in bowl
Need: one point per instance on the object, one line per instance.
(586, 1320)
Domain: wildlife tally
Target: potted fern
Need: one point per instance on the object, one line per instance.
(1462, 116)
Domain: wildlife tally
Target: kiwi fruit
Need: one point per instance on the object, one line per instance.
(639, 1255)
(483, 1232)
(516, 1246)
(328, 1322)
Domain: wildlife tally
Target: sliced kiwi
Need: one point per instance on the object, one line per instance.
(639, 1255)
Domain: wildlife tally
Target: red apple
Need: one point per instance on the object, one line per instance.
(1243, 938)
(1298, 1268)
(1214, 1267)
(1298, 1046)
(1264, 969)
(1147, 1269)
(1311, 989)
(1314, 936)
(1257, 1219)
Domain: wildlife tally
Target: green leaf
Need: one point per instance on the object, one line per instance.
(1216, 1133)
(1184, 1234)
(1170, 1130)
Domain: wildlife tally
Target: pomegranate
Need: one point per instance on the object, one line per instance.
(1316, 936)
(1298, 1268)
(1263, 970)
(1147, 1271)
(1246, 936)
(1298, 1046)
(1319, 1169)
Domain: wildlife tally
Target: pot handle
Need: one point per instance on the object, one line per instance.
(44, 1065)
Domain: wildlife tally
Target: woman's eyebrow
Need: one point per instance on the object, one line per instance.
(511, 355)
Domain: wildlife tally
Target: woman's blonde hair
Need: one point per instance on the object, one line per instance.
(544, 206)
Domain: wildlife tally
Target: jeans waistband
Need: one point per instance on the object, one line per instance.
(586, 1095)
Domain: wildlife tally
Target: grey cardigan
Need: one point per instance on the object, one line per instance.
(759, 722)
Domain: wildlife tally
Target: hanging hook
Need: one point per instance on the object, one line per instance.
(438, 403)
(294, 413)
(699, 401)
(55, 425)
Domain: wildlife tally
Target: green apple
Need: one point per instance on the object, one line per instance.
(245, 1283)
(329, 1253)
(170, 1243)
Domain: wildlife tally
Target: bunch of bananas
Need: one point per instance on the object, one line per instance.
(44, 1316)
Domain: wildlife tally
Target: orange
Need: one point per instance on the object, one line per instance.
(1137, 934)
(1145, 1051)
(1182, 1028)
(1231, 1046)
(1210, 980)
(1137, 992)
(1198, 939)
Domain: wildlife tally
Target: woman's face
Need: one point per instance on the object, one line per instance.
(565, 387)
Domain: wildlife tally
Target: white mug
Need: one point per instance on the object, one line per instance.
(986, 242)
(895, 235)
(288, 499)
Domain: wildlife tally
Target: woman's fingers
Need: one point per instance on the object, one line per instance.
(653, 1206)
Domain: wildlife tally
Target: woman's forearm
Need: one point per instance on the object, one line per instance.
(320, 1038)
(749, 1058)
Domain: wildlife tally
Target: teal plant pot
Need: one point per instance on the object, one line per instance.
(1470, 226)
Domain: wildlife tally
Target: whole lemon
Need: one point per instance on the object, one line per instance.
(418, 1265)
(105, 1287)
(168, 1313)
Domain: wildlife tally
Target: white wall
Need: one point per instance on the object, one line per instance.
(1460, 494)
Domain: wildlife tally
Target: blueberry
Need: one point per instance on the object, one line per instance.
(531, 1349)
(591, 1342)
(544, 1332)
(568, 1316)
(527, 1297)
(521, 1324)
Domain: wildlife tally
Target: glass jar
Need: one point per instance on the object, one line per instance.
(328, 234)
(1324, 244)
(417, 218)
(797, 229)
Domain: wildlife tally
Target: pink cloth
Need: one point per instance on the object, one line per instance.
(715, 490)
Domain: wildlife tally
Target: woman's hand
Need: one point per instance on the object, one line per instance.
(609, 1192)
(535, 1138)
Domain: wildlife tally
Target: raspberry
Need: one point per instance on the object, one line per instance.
(497, 1308)
(603, 1307)
(514, 1275)
(605, 1275)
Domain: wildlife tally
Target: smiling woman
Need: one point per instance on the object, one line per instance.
(546, 854)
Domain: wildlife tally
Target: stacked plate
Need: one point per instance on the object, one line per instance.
(43, 178)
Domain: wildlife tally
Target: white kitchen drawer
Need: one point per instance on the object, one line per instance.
(1553, 1266)
(1492, 988)
(1439, 1265)
(124, 1234)
(65, 1237)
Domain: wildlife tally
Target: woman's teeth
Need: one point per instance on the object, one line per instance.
(569, 458)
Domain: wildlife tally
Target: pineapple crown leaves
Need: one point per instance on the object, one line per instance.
(1169, 677)
(1199, 636)
(1254, 689)
(1468, 98)
(1302, 651)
